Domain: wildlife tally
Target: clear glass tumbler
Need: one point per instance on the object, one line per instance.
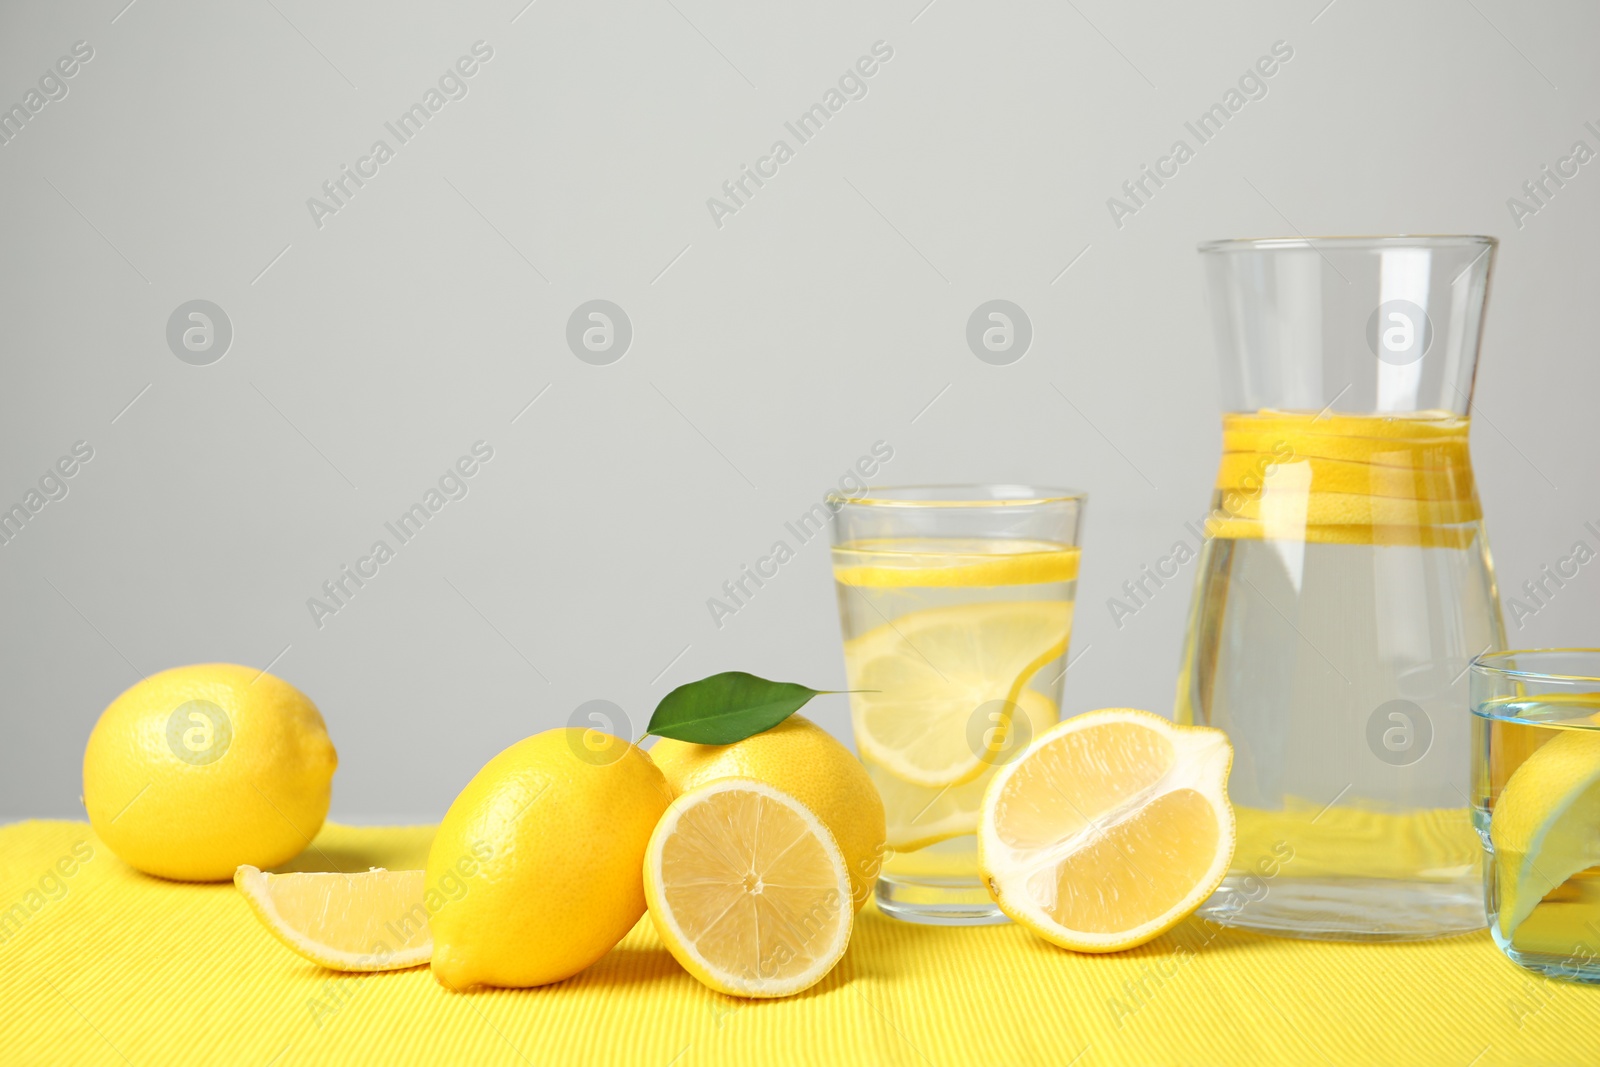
(1536, 805)
(955, 603)
(1345, 583)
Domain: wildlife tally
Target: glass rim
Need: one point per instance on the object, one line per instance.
(1483, 665)
(1356, 242)
(1015, 494)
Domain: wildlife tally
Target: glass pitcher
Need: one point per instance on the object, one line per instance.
(1345, 583)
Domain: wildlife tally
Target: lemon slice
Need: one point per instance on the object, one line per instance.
(948, 562)
(748, 889)
(920, 815)
(1109, 830)
(1546, 823)
(935, 676)
(374, 921)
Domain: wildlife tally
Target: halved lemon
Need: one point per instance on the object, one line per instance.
(934, 679)
(920, 815)
(372, 921)
(1546, 823)
(1109, 830)
(748, 889)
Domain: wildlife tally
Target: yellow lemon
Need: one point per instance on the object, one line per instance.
(199, 770)
(1546, 823)
(806, 762)
(748, 889)
(371, 921)
(537, 869)
(1109, 830)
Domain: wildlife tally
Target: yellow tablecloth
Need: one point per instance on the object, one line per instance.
(105, 965)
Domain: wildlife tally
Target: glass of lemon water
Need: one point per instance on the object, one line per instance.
(955, 603)
(1536, 805)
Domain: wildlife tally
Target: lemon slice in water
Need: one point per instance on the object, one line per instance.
(952, 562)
(936, 677)
(920, 815)
(1546, 823)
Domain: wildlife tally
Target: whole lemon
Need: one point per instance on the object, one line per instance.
(805, 761)
(197, 770)
(538, 868)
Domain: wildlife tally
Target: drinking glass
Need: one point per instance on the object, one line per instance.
(955, 603)
(1536, 805)
(1345, 582)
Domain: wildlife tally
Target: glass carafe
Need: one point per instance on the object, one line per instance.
(1345, 583)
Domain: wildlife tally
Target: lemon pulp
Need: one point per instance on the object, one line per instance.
(748, 889)
(1109, 830)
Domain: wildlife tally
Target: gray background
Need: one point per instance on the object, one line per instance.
(768, 354)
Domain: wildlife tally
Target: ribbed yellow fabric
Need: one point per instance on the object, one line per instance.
(1345, 479)
(103, 965)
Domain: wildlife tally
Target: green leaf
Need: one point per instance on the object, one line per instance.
(726, 707)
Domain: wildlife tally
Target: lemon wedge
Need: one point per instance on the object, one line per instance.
(748, 890)
(372, 921)
(920, 815)
(934, 678)
(1546, 823)
(1109, 830)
